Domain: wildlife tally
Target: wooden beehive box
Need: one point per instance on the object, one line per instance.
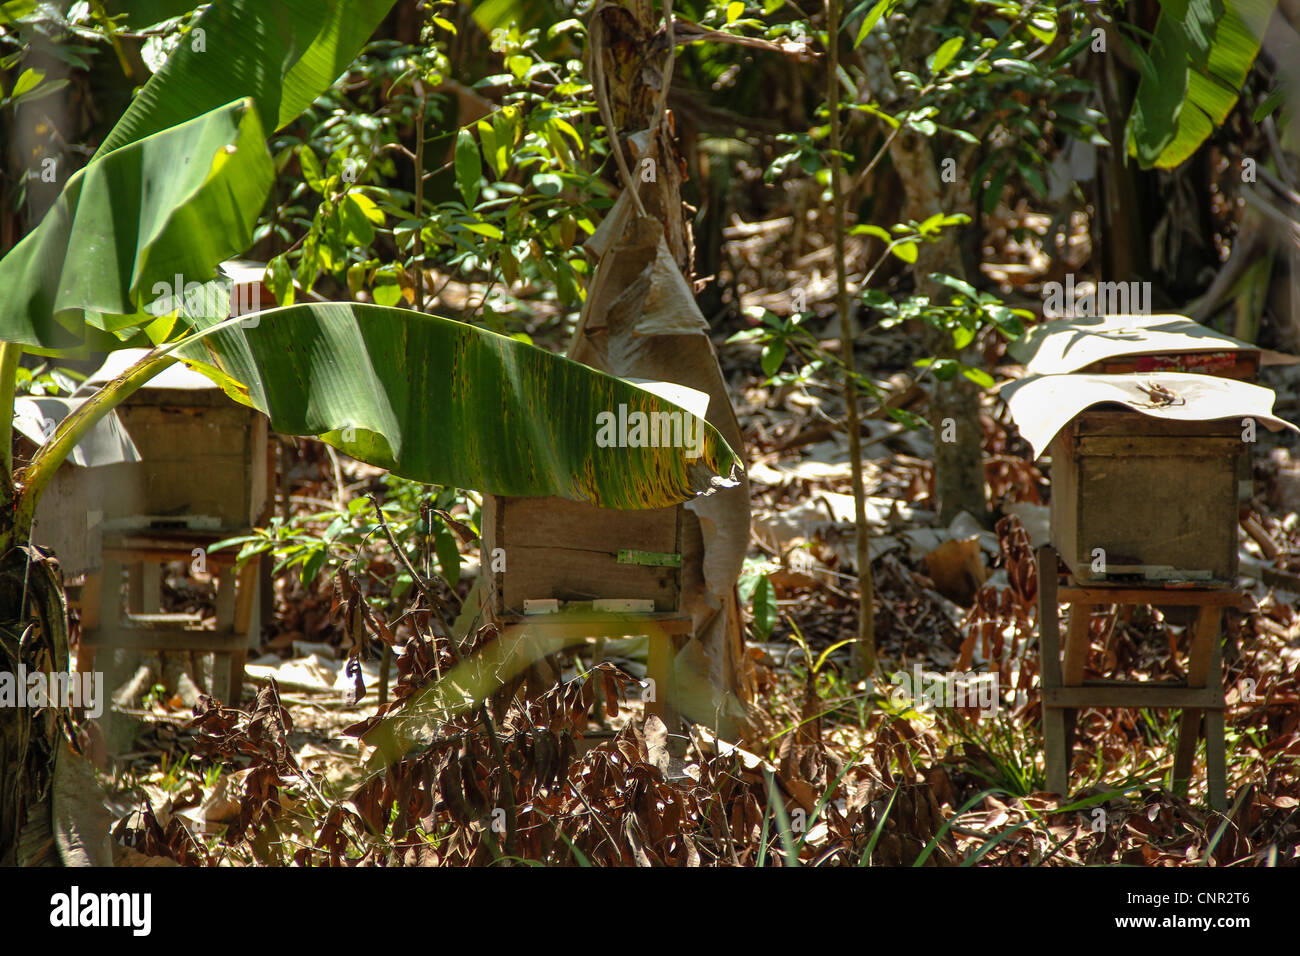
(575, 553)
(204, 462)
(204, 467)
(1157, 496)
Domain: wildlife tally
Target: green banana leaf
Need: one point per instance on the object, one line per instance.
(11, 10)
(1192, 75)
(448, 403)
(282, 53)
(175, 203)
(73, 283)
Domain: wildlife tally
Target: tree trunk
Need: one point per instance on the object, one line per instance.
(954, 405)
(33, 639)
(641, 321)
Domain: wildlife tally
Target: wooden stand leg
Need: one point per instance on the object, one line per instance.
(657, 664)
(249, 584)
(110, 595)
(1216, 764)
(1189, 731)
(221, 667)
(1200, 657)
(91, 600)
(135, 587)
(221, 661)
(1077, 645)
(1058, 770)
(144, 587)
(150, 574)
(106, 613)
(236, 678)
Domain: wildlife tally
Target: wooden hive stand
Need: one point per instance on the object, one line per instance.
(1065, 691)
(564, 572)
(145, 628)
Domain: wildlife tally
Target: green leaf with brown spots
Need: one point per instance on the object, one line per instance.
(448, 403)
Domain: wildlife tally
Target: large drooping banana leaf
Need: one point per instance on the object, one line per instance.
(282, 53)
(1192, 75)
(449, 403)
(78, 263)
(175, 203)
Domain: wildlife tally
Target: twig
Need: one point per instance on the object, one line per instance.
(487, 291)
(421, 582)
(337, 467)
(419, 201)
(1285, 191)
(485, 715)
(866, 645)
(602, 103)
(921, 94)
(662, 99)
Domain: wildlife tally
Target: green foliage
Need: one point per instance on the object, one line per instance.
(29, 87)
(184, 218)
(988, 83)
(369, 387)
(525, 192)
(280, 54)
(756, 591)
(320, 542)
(247, 66)
(1192, 75)
(996, 751)
(962, 316)
(11, 10)
(46, 379)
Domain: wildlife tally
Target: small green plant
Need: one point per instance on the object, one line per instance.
(966, 312)
(155, 696)
(789, 342)
(323, 541)
(174, 771)
(756, 591)
(1003, 758)
(523, 188)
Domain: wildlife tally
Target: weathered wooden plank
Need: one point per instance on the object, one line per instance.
(1205, 638)
(1103, 594)
(1136, 695)
(1241, 365)
(1123, 422)
(1054, 743)
(158, 619)
(569, 575)
(1077, 644)
(163, 639)
(125, 556)
(556, 522)
(1216, 766)
(584, 625)
(1160, 452)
